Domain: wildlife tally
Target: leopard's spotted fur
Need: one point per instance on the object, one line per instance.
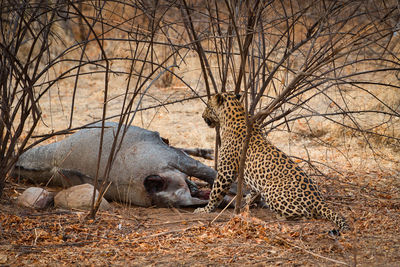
(284, 187)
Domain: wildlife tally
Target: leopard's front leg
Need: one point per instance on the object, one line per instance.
(220, 188)
(249, 199)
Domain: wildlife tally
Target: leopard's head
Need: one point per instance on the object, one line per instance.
(218, 106)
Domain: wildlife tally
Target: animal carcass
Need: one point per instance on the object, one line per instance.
(145, 171)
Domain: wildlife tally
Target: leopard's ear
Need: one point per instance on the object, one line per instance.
(220, 99)
(238, 96)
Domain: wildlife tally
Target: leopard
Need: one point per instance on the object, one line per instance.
(284, 187)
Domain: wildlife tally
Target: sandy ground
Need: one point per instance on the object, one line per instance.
(366, 190)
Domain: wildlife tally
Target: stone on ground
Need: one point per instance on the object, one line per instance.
(35, 198)
(78, 197)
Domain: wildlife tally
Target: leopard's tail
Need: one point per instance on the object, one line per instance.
(326, 212)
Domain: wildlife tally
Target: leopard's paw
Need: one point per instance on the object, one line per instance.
(200, 210)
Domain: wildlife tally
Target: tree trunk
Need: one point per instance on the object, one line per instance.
(242, 165)
(3, 176)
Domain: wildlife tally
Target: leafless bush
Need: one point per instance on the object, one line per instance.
(37, 37)
(25, 56)
(300, 59)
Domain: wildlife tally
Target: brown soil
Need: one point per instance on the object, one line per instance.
(172, 237)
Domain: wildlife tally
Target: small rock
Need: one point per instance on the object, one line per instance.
(35, 198)
(78, 197)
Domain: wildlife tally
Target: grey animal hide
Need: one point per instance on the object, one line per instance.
(145, 171)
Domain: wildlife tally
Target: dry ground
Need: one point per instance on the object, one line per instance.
(366, 190)
(368, 196)
(173, 237)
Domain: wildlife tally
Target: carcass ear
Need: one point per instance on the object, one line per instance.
(220, 99)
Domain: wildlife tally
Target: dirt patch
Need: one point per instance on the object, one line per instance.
(171, 236)
(365, 190)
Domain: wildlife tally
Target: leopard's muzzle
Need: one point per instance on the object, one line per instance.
(210, 122)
